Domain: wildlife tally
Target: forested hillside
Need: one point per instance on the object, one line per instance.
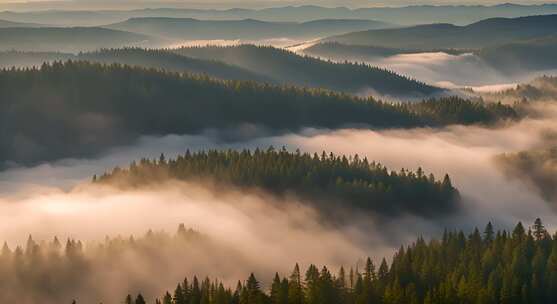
(490, 267)
(485, 33)
(264, 64)
(289, 68)
(171, 62)
(499, 267)
(147, 58)
(327, 179)
(89, 107)
(540, 89)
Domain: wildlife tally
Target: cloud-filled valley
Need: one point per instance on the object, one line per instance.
(280, 155)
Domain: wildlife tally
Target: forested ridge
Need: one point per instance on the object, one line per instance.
(246, 62)
(89, 107)
(491, 267)
(171, 62)
(325, 178)
(290, 68)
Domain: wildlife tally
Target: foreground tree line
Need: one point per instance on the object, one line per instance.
(56, 271)
(89, 107)
(493, 268)
(326, 179)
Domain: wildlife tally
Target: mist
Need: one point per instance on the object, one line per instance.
(445, 70)
(57, 199)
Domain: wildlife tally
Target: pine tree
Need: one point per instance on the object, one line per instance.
(140, 299)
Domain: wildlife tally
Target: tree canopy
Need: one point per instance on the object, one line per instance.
(326, 179)
(89, 107)
(503, 267)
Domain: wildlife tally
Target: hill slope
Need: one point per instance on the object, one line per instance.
(156, 59)
(326, 179)
(90, 107)
(289, 68)
(489, 32)
(529, 55)
(73, 39)
(193, 29)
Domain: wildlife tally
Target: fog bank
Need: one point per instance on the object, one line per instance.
(57, 199)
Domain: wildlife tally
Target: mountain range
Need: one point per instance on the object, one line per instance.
(485, 33)
(193, 29)
(408, 15)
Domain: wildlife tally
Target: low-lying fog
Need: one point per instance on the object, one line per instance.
(270, 235)
(448, 71)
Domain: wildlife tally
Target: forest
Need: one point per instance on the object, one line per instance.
(290, 68)
(327, 179)
(499, 267)
(503, 267)
(90, 106)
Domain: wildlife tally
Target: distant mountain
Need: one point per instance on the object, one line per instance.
(193, 29)
(530, 55)
(5, 23)
(410, 15)
(486, 33)
(289, 68)
(74, 39)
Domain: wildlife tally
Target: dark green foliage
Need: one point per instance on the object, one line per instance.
(517, 268)
(465, 111)
(288, 68)
(350, 180)
(76, 109)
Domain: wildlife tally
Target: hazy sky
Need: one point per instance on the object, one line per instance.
(40, 4)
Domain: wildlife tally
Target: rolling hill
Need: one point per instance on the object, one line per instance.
(193, 29)
(289, 68)
(154, 59)
(486, 33)
(72, 40)
(89, 108)
(530, 55)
